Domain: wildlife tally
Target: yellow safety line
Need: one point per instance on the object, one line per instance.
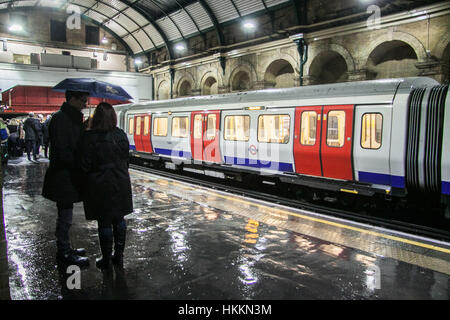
(373, 233)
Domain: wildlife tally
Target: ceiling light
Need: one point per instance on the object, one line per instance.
(138, 61)
(180, 47)
(15, 27)
(249, 25)
(104, 40)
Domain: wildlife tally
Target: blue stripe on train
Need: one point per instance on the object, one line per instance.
(445, 187)
(273, 165)
(174, 153)
(380, 178)
(132, 147)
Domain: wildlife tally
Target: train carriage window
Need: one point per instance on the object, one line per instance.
(237, 128)
(198, 118)
(371, 129)
(336, 129)
(308, 128)
(146, 125)
(273, 128)
(180, 127)
(138, 126)
(130, 125)
(160, 127)
(211, 127)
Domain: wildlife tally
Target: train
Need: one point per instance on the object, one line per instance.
(387, 137)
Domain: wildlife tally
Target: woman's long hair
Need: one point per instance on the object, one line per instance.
(104, 118)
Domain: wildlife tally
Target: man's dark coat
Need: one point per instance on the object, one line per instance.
(62, 179)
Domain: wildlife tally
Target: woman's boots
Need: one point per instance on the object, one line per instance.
(120, 233)
(106, 236)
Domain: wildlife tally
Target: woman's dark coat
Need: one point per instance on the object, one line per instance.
(62, 179)
(104, 162)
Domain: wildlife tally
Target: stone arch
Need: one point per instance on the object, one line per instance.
(407, 38)
(210, 82)
(242, 78)
(326, 47)
(328, 67)
(279, 74)
(185, 84)
(163, 90)
(441, 47)
(392, 59)
(184, 88)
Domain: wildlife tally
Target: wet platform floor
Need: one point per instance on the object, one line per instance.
(186, 242)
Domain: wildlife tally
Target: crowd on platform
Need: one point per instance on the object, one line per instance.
(24, 134)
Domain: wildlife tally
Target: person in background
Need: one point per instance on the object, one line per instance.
(31, 137)
(46, 138)
(107, 197)
(40, 136)
(62, 178)
(4, 132)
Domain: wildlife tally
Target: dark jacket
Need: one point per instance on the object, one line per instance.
(46, 137)
(62, 179)
(30, 130)
(104, 158)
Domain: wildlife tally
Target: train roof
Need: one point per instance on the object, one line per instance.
(367, 92)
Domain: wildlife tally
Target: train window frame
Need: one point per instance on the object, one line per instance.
(155, 127)
(274, 115)
(309, 129)
(179, 128)
(381, 130)
(146, 126)
(213, 130)
(343, 130)
(225, 127)
(131, 125)
(198, 134)
(138, 125)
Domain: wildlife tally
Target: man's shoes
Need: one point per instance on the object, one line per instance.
(72, 259)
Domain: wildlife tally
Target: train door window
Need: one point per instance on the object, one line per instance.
(131, 125)
(336, 129)
(211, 127)
(180, 127)
(138, 126)
(308, 128)
(146, 125)
(371, 128)
(198, 126)
(160, 127)
(273, 128)
(237, 128)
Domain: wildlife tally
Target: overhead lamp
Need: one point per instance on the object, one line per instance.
(15, 27)
(180, 47)
(138, 61)
(104, 40)
(249, 25)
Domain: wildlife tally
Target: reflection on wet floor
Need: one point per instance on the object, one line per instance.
(184, 243)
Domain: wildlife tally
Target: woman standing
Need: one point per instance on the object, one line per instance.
(107, 198)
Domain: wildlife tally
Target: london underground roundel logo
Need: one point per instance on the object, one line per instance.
(252, 149)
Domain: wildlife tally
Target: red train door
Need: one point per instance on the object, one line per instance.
(146, 133)
(205, 127)
(323, 141)
(308, 128)
(337, 142)
(138, 133)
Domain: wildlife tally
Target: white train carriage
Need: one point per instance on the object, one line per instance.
(358, 137)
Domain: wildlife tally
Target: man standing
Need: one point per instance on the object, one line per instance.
(30, 137)
(61, 183)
